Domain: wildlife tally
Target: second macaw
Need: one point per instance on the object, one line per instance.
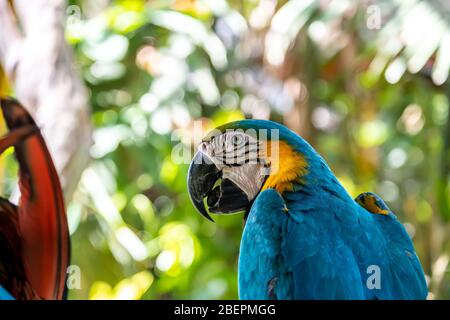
(304, 236)
(34, 235)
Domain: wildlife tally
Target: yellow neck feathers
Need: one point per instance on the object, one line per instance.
(286, 166)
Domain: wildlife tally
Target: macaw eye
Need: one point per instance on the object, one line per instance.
(237, 140)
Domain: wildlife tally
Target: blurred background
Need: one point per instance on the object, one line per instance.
(121, 89)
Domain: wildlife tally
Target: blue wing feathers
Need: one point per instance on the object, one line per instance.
(407, 280)
(322, 248)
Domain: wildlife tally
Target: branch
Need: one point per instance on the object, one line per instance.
(46, 82)
(10, 37)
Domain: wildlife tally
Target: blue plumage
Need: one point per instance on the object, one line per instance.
(316, 242)
(263, 238)
(4, 295)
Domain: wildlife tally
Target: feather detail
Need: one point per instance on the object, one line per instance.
(41, 223)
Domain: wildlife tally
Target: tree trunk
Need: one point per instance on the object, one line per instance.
(39, 64)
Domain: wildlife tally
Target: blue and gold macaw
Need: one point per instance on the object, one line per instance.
(304, 236)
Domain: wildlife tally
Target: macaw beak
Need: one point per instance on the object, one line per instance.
(202, 176)
(225, 198)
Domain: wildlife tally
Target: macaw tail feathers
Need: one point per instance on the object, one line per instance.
(35, 232)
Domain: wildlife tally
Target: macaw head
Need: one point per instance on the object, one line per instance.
(236, 161)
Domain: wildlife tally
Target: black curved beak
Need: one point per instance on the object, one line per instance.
(202, 176)
(223, 199)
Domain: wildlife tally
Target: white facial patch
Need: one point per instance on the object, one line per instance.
(237, 155)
